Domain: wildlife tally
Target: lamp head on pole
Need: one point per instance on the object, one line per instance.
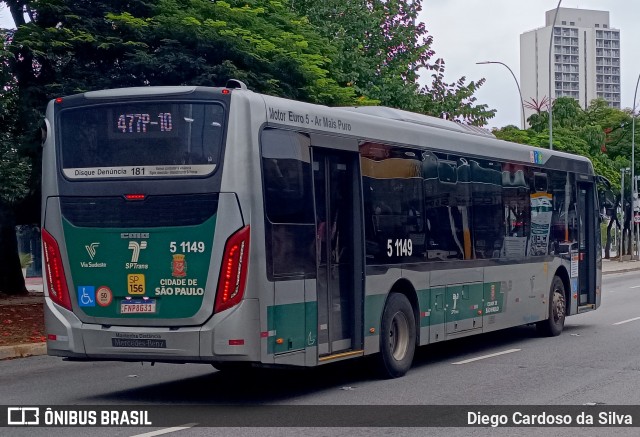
(517, 85)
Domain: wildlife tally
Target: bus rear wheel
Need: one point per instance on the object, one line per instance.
(397, 337)
(557, 310)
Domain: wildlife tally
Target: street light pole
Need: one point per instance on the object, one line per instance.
(633, 166)
(551, 63)
(622, 172)
(517, 84)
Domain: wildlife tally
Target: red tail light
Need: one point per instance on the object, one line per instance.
(134, 196)
(58, 291)
(233, 272)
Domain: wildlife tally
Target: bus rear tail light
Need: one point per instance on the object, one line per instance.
(233, 272)
(58, 291)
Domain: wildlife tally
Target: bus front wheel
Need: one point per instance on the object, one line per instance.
(557, 310)
(397, 337)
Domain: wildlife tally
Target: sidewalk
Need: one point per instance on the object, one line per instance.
(25, 314)
(615, 266)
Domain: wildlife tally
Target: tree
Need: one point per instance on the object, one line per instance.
(454, 101)
(383, 49)
(14, 171)
(537, 105)
(14, 176)
(380, 46)
(79, 46)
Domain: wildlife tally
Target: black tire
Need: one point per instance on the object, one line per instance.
(557, 310)
(397, 337)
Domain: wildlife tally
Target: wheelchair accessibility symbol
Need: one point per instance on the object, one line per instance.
(86, 295)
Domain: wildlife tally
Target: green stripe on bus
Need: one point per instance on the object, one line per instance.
(296, 324)
(292, 327)
(373, 306)
(438, 305)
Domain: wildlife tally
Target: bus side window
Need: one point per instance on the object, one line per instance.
(563, 217)
(288, 202)
(541, 215)
(393, 203)
(517, 204)
(446, 201)
(486, 197)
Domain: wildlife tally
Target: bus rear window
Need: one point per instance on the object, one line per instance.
(143, 139)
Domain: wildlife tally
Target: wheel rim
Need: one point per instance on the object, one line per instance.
(558, 307)
(399, 336)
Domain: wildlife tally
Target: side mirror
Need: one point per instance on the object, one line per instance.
(607, 200)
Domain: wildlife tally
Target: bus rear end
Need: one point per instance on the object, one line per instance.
(145, 258)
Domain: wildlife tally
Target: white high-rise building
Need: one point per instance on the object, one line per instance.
(586, 59)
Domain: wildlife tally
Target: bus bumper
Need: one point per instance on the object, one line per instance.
(232, 335)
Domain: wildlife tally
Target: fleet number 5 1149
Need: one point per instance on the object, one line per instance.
(187, 246)
(399, 247)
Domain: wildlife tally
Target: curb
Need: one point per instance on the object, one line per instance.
(620, 271)
(22, 350)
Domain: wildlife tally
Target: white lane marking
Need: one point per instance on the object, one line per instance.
(635, 286)
(508, 351)
(166, 430)
(627, 321)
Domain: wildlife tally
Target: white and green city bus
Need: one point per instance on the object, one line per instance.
(218, 225)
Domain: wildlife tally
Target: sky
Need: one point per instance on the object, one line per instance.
(469, 31)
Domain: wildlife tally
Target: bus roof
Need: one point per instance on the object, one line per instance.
(413, 117)
(395, 126)
(141, 91)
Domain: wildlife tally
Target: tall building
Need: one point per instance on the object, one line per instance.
(586, 58)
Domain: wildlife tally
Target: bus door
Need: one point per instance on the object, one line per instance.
(338, 251)
(586, 245)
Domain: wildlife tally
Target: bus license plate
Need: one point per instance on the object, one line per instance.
(138, 306)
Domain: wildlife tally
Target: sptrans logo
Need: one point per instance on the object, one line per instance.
(136, 248)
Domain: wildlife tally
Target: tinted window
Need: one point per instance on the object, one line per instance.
(516, 207)
(486, 209)
(541, 215)
(154, 134)
(564, 224)
(447, 200)
(288, 200)
(393, 203)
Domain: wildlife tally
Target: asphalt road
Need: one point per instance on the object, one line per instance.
(595, 361)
